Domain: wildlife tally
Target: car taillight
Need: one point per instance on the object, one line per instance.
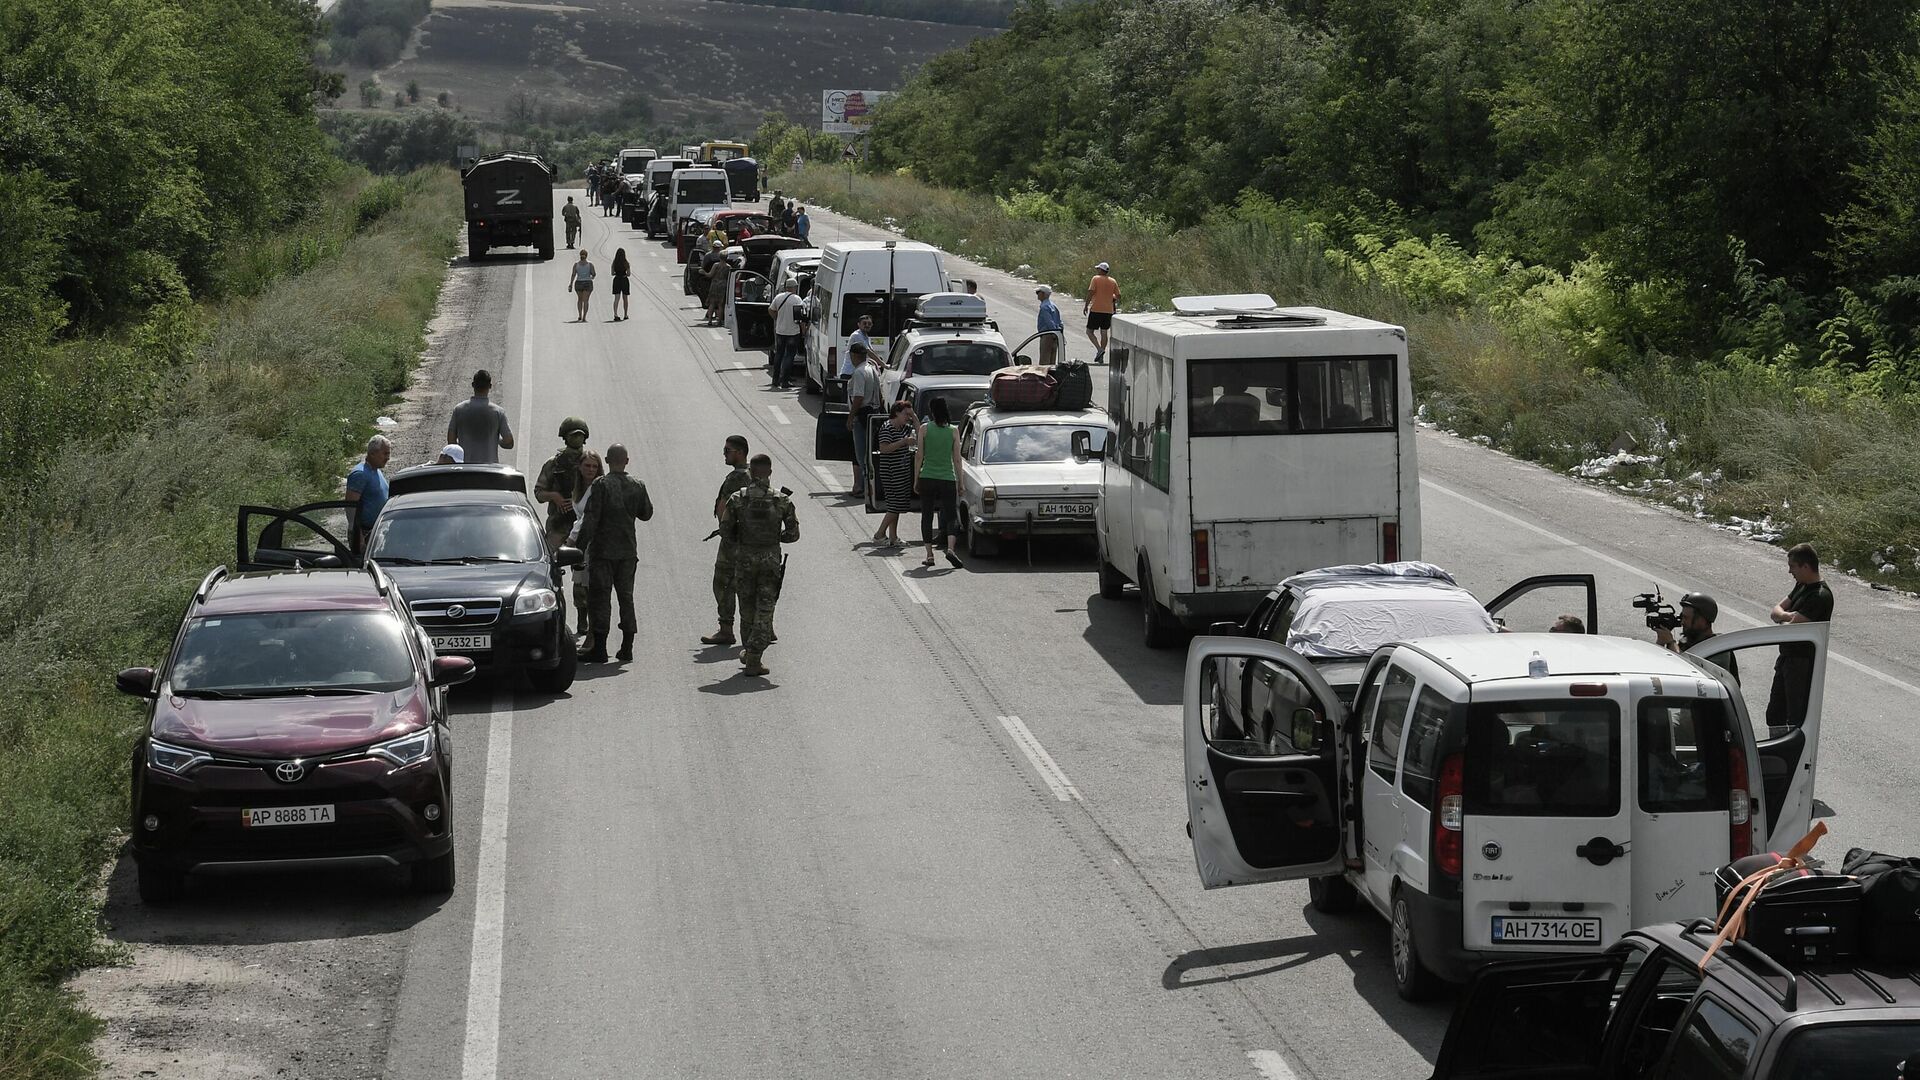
(1449, 816)
(739, 288)
(1202, 561)
(988, 496)
(1739, 805)
(1390, 541)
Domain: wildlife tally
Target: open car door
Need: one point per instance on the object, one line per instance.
(1262, 805)
(266, 538)
(1549, 595)
(747, 311)
(1777, 676)
(1030, 351)
(1532, 1019)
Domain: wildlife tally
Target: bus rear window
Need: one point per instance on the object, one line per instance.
(1291, 396)
(1555, 758)
(702, 192)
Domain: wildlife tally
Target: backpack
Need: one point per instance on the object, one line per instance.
(1075, 382)
(1890, 904)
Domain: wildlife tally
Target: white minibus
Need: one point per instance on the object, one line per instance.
(1254, 443)
(885, 279)
(692, 188)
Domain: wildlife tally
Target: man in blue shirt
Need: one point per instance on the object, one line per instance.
(367, 490)
(802, 224)
(1049, 321)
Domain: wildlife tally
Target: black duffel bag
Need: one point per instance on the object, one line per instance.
(1889, 904)
(1075, 384)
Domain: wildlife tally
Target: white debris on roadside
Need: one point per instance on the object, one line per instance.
(1609, 464)
(1023, 270)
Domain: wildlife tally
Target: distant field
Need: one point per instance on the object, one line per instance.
(696, 60)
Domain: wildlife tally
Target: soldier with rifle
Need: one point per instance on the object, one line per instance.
(758, 520)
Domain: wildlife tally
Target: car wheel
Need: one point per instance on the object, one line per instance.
(555, 680)
(812, 387)
(979, 544)
(158, 886)
(1157, 622)
(434, 875)
(1410, 976)
(1334, 895)
(1113, 584)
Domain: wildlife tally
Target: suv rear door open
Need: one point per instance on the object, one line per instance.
(1532, 1019)
(1786, 733)
(1261, 806)
(749, 298)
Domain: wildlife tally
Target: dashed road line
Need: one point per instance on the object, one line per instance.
(1049, 769)
(1270, 1065)
(480, 1059)
(779, 414)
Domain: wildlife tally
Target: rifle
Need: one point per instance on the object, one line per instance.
(788, 492)
(781, 581)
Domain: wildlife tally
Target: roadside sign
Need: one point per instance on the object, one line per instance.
(848, 112)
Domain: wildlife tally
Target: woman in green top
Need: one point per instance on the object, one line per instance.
(936, 467)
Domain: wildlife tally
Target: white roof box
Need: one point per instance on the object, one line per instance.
(951, 307)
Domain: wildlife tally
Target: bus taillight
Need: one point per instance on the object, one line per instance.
(1202, 562)
(1390, 541)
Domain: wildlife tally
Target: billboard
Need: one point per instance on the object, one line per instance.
(848, 112)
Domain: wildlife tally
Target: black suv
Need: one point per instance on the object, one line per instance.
(1647, 1009)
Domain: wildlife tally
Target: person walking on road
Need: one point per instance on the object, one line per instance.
(610, 195)
(719, 269)
(367, 490)
(614, 504)
(936, 472)
(758, 520)
(863, 401)
(558, 479)
(1050, 324)
(571, 215)
(591, 468)
(1102, 302)
(1809, 601)
(802, 225)
(622, 290)
(480, 426)
(734, 453)
(899, 437)
(775, 206)
(580, 281)
(786, 310)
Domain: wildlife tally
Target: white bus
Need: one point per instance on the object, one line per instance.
(1253, 443)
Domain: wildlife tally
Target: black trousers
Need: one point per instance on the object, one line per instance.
(937, 497)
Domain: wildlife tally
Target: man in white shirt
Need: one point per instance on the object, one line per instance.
(858, 337)
(785, 310)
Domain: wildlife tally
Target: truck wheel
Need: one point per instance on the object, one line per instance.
(546, 247)
(476, 249)
(1113, 584)
(1334, 894)
(1160, 631)
(1410, 976)
(157, 886)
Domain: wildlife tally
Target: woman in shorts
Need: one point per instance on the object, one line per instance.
(580, 280)
(622, 285)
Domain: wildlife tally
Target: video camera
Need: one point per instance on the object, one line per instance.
(1660, 614)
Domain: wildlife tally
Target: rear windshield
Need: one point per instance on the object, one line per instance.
(1850, 1052)
(456, 534)
(1037, 443)
(348, 650)
(702, 191)
(1291, 396)
(887, 316)
(1555, 758)
(1683, 755)
(969, 358)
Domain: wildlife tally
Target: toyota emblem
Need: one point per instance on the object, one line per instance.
(457, 611)
(289, 772)
(1491, 850)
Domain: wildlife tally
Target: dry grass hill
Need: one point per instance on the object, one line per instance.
(696, 61)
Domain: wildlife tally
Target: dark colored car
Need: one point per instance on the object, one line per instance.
(299, 719)
(470, 556)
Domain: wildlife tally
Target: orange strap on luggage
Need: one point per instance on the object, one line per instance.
(1733, 912)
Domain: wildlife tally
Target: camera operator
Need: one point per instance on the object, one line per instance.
(1695, 623)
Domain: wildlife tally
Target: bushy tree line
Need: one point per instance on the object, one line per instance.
(954, 12)
(372, 33)
(401, 143)
(1741, 171)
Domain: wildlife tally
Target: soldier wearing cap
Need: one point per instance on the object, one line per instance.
(758, 519)
(558, 479)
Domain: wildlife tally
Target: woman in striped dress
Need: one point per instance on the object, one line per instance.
(899, 436)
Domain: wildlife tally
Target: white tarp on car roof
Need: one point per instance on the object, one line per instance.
(1353, 616)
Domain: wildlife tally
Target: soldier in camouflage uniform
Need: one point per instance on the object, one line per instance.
(558, 486)
(723, 563)
(614, 503)
(758, 519)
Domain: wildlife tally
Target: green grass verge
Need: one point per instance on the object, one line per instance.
(259, 398)
(1534, 363)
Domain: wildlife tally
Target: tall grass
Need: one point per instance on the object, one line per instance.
(275, 389)
(1535, 363)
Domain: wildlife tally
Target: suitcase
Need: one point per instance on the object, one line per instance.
(1075, 384)
(1800, 916)
(1889, 905)
(1022, 387)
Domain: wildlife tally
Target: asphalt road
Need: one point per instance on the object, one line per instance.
(944, 837)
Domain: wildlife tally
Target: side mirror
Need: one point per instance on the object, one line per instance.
(138, 682)
(1306, 730)
(569, 556)
(1224, 629)
(1022, 360)
(1083, 448)
(451, 671)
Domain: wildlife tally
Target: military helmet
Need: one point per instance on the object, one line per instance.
(572, 424)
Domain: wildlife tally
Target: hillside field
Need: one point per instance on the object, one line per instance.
(697, 62)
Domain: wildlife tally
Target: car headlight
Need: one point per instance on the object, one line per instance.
(535, 601)
(407, 749)
(176, 760)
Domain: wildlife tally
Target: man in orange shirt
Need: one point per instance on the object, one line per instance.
(1103, 299)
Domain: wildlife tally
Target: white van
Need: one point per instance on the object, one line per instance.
(1497, 796)
(693, 188)
(634, 160)
(885, 279)
(1254, 443)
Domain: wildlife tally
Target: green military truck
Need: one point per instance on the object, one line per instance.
(509, 204)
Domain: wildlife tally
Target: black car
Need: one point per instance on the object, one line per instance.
(299, 719)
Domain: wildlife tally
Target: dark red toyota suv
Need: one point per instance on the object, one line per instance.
(299, 719)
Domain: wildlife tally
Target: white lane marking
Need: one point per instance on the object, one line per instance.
(1665, 586)
(717, 333)
(521, 438)
(1043, 762)
(826, 474)
(914, 592)
(481, 1058)
(1270, 1065)
(779, 414)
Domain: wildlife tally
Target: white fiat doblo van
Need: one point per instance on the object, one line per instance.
(1497, 796)
(691, 189)
(1254, 443)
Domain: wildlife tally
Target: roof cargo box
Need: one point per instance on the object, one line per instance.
(951, 307)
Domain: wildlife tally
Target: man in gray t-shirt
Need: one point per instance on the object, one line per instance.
(480, 426)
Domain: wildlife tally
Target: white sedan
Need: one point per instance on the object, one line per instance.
(1029, 473)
